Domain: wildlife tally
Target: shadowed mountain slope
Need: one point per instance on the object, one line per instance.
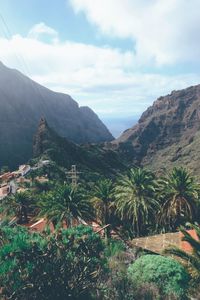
(23, 102)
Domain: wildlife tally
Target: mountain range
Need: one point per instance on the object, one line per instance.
(23, 102)
(167, 134)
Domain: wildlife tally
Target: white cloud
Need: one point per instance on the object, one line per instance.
(164, 31)
(102, 77)
(42, 29)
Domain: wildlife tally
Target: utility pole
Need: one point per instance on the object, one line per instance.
(73, 175)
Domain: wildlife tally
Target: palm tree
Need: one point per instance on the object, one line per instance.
(192, 259)
(135, 201)
(179, 195)
(65, 203)
(17, 205)
(102, 196)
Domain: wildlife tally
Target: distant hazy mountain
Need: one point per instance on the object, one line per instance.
(120, 123)
(167, 134)
(23, 102)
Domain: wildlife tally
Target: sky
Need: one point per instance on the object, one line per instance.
(116, 56)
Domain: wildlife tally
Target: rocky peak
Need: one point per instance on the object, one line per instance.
(42, 138)
(66, 153)
(43, 123)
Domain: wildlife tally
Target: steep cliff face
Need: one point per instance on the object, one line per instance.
(23, 102)
(167, 134)
(88, 158)
(93, 127)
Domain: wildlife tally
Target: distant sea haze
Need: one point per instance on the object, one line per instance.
(117, 125)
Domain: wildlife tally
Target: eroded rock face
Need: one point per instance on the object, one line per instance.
(23, 102)
(165, 131)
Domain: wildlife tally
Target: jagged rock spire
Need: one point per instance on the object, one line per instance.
(43, 121)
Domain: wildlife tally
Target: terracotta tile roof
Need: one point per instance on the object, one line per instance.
(184, 245)
(40, 225)
(157, 243)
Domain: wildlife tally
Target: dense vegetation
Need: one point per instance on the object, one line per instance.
(72, 262)
(61, 265)
(192, 260)
(165, 273)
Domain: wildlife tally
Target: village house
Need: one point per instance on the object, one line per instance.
(24, 169)
(41, 179)
(23, 180)
(5, 190)
(6, 177)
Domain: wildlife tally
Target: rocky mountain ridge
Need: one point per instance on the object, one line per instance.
(89, 158)
(23, 102)
(167, 134)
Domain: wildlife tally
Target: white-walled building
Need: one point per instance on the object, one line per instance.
(24, 169)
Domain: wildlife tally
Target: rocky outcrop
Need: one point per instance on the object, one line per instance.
(167, 134)
(23, 102)
(89, 158)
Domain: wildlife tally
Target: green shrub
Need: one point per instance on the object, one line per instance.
(114, 247)
(62, 265)
(165, 273)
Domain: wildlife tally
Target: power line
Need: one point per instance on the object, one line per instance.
(73, 174)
